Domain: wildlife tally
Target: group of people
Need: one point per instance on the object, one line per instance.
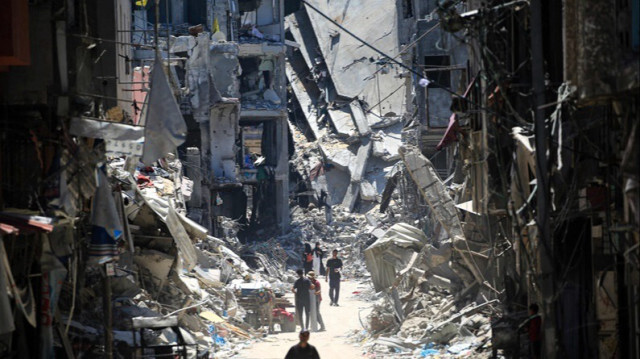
(308, 289)
(308, 295)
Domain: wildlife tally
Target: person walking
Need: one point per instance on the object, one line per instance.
(303, 350)
(334, 265)
(312, 277)
(301, 290)
(323, 202)
(533, 325)
(318, 253)
(307, 258)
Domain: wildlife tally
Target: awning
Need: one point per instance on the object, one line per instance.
(86, 127)
(8, 229)
(14, 223)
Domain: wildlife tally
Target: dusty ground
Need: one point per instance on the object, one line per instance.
(340, 322)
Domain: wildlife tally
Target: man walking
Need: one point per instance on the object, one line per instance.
(533, 326)
(301, 289)
(303, 350)
(322, 202)
(334, 265)
(316, 283)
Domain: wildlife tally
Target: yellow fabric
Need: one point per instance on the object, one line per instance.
(212, 317)
(216, 25)
(141, 3)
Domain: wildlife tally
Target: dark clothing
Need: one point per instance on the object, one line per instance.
(334, 290)
(302, 286)
(536, 349)
(303, 302)
(535, 322)
(535, 337)
(333, 268)
(306, 307)
(298, 352)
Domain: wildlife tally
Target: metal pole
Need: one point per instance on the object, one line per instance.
(108, 317)
(156, 27)
(545, 244)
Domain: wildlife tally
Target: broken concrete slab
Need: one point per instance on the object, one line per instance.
(360, 118)
(442, 206)
(358, 166)
(342, 122)
(342, 159)
(348, 60)
(300, 27)
(378, 122)
(387, 143)
(158, 264)
(302, 94)
(392, 253)
(367, 192)
(351, 196)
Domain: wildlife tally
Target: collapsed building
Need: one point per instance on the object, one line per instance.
(124, 146)
(230, 76)
(519, 153)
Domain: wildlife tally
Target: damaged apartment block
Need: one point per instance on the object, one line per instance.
(232, 81)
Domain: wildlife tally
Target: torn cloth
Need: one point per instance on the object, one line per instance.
(316, 171)
(107, 227)
(165, 128)
(451, 134)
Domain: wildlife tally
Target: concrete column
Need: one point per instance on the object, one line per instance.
(282, 175)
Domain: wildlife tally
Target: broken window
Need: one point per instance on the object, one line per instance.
(257, 82)
(251, 145)
(438, 70)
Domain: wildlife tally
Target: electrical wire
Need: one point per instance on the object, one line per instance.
(392, 59)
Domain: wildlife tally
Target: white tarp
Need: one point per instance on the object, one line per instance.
(165, 128)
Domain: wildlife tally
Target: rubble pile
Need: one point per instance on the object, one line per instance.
(352, 126)
(171, 283)
(174, 284)
(415, 312)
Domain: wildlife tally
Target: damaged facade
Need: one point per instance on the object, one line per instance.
(518, 151)
(543, 135)
(105, 247)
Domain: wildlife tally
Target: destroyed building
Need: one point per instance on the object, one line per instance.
(529, 135)
(91, 91)
(227, 63)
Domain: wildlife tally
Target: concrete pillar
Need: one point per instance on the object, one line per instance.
(282, 175)
(223, 131)
(205, 154)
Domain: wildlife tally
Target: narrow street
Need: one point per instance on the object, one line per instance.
(341, 322)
